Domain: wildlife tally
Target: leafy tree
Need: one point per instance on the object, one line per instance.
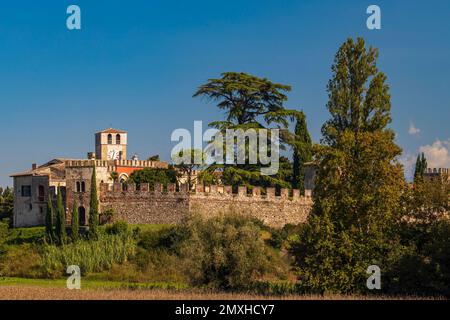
(302, 146)
(75, 222)
(6, 203)
(421, 167)
(189, 159)
(225, 252)
(49, 218)
(93, 206)
(154, 158)
(359, 183)
(249, 103)
(153, 176)
(60, 218)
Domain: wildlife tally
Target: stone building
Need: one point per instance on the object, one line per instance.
(73, 178)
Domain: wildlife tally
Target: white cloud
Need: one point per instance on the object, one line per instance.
(437, 154)
(412, 129)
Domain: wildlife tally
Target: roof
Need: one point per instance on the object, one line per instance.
(112, 130)
(54, 169)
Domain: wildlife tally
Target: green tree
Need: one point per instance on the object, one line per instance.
(190, 160)
(93, 208)
(114, 176)
(153, 176)
(49, 219)
(359, 183)
(154, 158)
(302, 146)
(75, 222)
(6, 203)
(225, 252)
(421, 167)
(249, 103)
(60, 218)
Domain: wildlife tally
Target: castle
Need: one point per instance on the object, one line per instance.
(138, 204)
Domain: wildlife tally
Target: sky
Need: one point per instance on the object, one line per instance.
(135, 65)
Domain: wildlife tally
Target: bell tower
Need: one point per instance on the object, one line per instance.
(111, 144)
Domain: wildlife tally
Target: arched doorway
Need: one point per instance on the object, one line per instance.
(81, 216)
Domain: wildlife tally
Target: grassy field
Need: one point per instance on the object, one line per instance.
(44, 289)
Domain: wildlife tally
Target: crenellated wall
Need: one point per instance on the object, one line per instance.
(166, 205)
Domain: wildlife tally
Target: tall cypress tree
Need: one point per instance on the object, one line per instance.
(421, 167)
(75, 223)
(49, 219)
(60, 218)
(93, 210)
(302, 146)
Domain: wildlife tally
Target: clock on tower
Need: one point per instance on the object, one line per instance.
(111, 144)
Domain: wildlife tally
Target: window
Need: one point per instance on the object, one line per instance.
(30, 206)
(41, 194)
(81, 186)
(118, 139)
(109, 138)
(41, 210)
(26, 191)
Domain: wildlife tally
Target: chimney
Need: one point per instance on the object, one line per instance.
(34, 166)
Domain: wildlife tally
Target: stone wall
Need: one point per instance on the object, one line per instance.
(168, 206)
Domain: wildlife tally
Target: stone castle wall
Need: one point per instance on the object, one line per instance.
(168, 206)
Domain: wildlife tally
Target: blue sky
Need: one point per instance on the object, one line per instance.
(134, 65)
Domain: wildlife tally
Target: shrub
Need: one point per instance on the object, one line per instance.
(21, 261)
(226, 252)
(118, 227)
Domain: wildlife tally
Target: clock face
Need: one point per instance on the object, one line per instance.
(113, 154)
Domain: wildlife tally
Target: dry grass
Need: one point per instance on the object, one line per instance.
(41, 293)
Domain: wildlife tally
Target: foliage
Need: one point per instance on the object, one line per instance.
(3, 233)
(49, 214)
(91, 255)
(302, 145)
(190, 160)
(6, 203)
(358, 185)
(154, 158)
(421, 166)
(93, 208)
(75, 222)
(60, 228)
(226, 252)
(153, 176)
(249, 103)
(117, 228)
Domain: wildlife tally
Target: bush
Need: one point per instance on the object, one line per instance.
(119, 227)
(226, 252)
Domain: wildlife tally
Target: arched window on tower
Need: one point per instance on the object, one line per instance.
(78, 186)
(117, 138)
(110, 138)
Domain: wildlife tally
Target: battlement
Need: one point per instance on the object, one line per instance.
(437, 171)
(116, 163)
(169, 204)
(121, 189)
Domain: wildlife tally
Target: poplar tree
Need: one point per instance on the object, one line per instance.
(302, 147)
(75, 223)
(93, 209)
(358, 184)
(49, 219)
